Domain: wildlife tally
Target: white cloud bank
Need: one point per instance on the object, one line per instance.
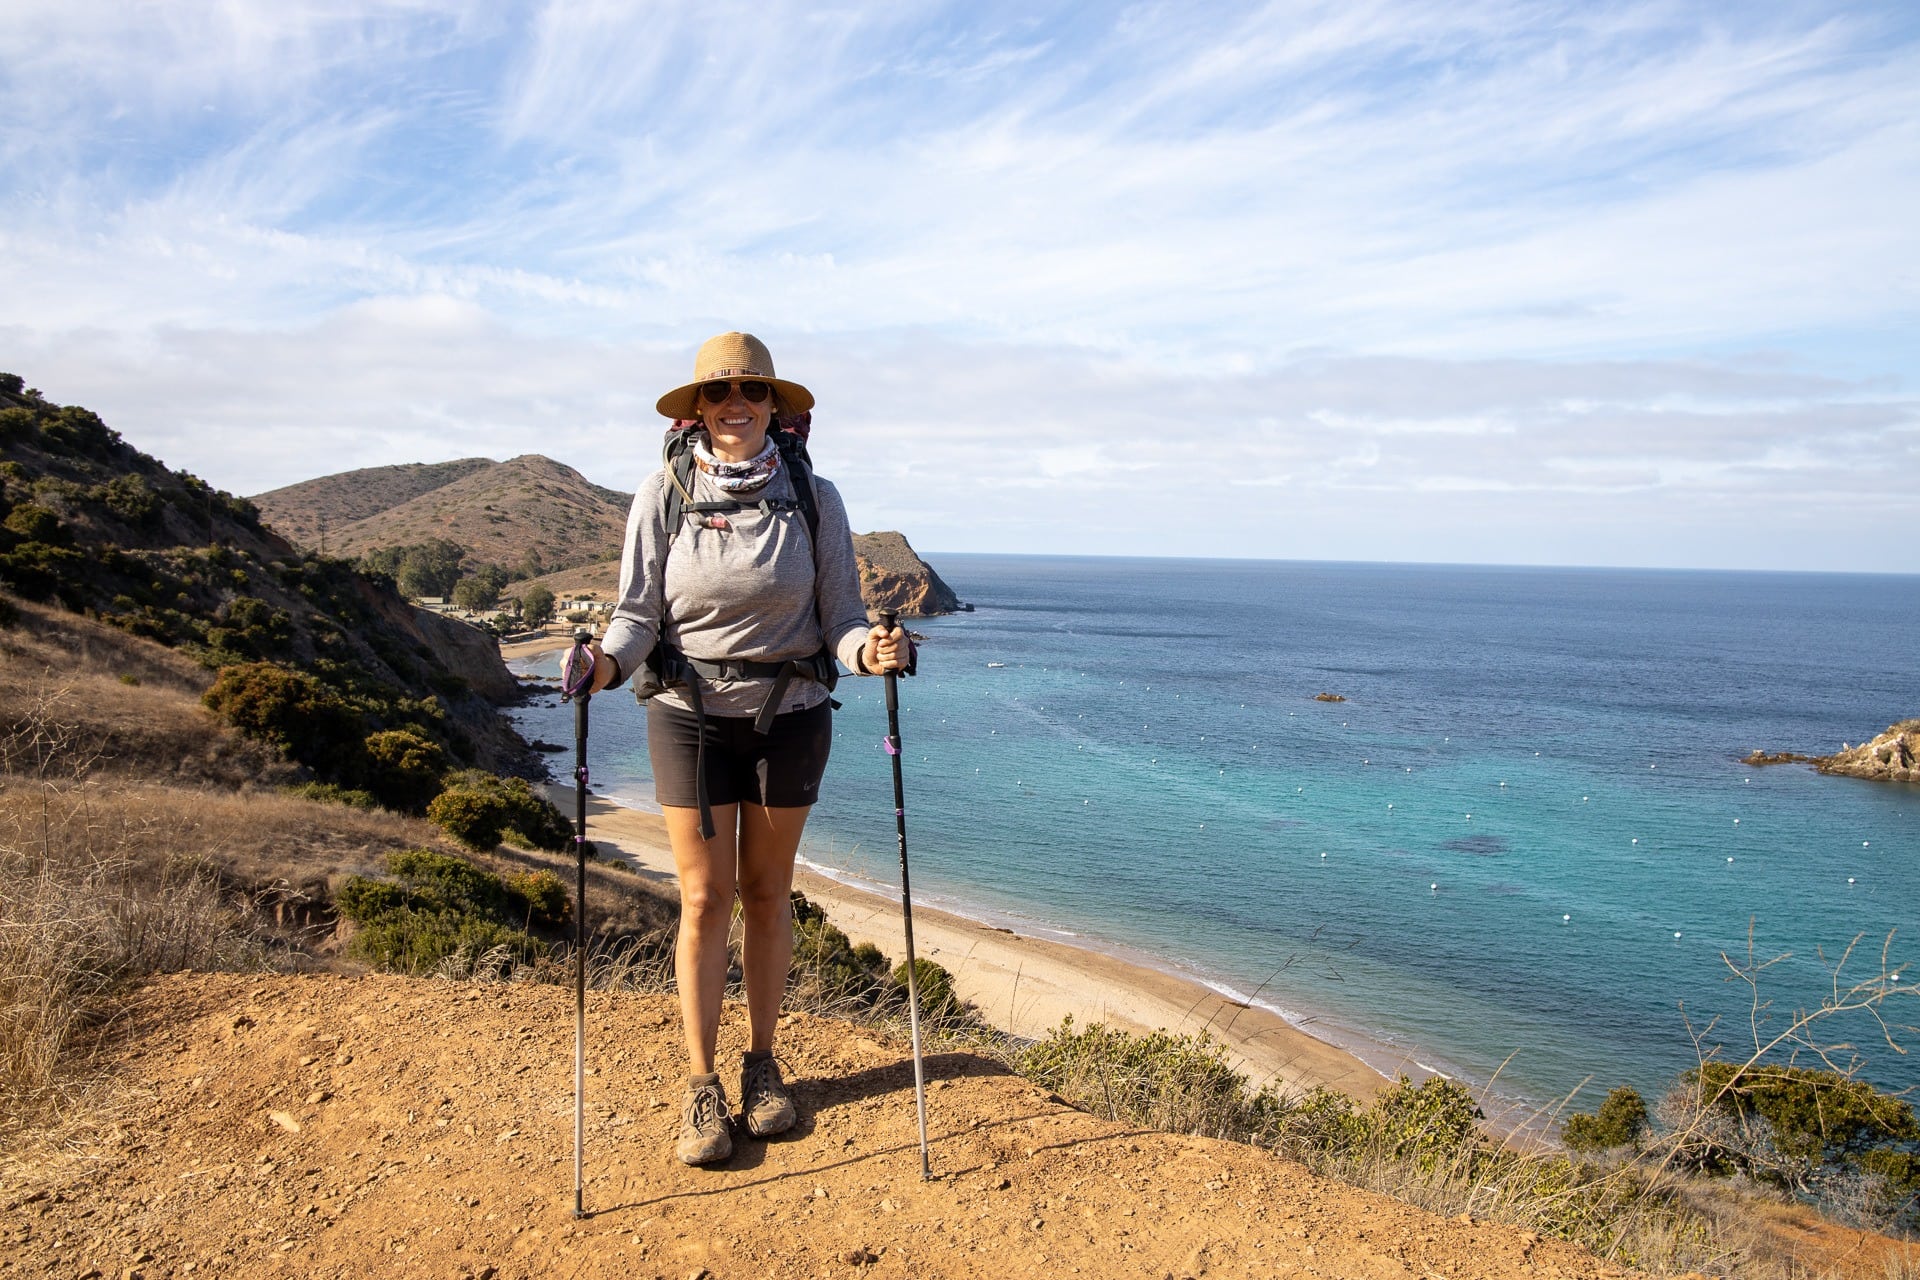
(1488, 282)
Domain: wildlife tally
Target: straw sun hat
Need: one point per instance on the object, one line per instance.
(732, 357)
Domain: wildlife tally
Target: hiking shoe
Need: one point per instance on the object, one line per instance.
(765, 1101)
(704, 1138)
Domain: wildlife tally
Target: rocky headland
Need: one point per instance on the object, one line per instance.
(1891, 757)
(893, 577)
(1894, 756)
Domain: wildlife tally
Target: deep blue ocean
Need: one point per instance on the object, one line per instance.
(1520, 848)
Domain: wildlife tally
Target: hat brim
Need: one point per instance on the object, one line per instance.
(684, 401)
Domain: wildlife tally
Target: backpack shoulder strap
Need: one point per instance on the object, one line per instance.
(676, 459)
(793, 452)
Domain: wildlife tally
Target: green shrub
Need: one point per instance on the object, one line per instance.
(291, 710)
(439, 907)
(404, 768)
(1427, 1123)
(538, 897)
(1621, 1121)
(419, 942)
(827, 968)
(129, 497)
(444, 882)
(480, 810)
(31, 522)
(17, 423)
(333, 793)
(365, 901)
(41, 571)
(1179, 1083)
(935, 988)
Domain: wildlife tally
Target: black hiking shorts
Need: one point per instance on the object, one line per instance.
(780, 769)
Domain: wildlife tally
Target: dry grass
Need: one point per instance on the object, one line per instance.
(112, 704)
(83, 908)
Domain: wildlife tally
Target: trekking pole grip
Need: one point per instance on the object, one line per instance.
(889, 619)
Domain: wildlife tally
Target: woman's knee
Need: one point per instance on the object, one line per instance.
(704, 906)
(765, 901)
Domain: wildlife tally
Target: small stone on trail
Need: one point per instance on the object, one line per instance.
(317, 1097)
(284, 1120)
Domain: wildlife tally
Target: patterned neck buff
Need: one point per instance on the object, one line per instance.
(737, 477)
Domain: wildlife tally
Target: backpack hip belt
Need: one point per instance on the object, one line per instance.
(672, 669)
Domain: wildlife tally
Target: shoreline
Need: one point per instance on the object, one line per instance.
(1022, 984)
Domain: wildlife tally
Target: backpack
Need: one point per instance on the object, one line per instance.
(668, 668)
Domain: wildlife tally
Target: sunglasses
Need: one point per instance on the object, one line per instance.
(751, 392)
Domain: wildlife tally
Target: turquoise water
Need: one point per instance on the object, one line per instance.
(1525, 839)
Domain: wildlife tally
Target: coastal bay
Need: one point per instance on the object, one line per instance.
(1524, 840)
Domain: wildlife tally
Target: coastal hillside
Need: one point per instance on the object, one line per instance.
(529, 514)
(93, 525)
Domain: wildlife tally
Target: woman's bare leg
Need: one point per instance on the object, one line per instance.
(706, 869)
(769, 839)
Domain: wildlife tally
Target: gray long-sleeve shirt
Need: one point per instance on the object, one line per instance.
(750, 591)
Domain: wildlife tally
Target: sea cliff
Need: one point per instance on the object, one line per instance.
(893, 577)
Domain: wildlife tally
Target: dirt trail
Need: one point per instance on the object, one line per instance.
(332, 1126)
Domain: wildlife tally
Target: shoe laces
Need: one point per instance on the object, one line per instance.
(704, 1103)
(763, 1077)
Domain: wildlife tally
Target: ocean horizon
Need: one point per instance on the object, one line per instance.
(1521, 851)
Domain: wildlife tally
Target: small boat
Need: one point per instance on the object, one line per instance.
(992, 665)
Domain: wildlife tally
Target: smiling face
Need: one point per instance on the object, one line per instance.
(736, 427)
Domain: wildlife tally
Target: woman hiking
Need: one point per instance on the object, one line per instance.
(730, 619)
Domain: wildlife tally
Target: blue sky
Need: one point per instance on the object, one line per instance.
(1632, 283)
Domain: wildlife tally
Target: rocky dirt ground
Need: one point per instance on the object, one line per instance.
(355, 1126)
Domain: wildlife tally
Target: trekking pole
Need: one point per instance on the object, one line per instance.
(576, 683)
(887, 620)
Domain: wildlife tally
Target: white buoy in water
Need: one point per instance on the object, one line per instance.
(1636, 839)
(1729, 859)
(1736, 822)
(1864, 845)
(1323, 855)
(1434, 887)
(1564, 919)
(1469, 817)
(1389, 806)
(1676, 933)
(1849, 879)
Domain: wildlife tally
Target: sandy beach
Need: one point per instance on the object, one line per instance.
(1022, 984)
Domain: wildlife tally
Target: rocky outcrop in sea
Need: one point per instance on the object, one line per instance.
(893, 577)
(1894, 756)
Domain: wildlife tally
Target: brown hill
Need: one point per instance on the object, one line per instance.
(498, 511)
(322, 1125)
(312, 512)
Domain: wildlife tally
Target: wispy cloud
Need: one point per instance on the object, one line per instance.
(1416, 277)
